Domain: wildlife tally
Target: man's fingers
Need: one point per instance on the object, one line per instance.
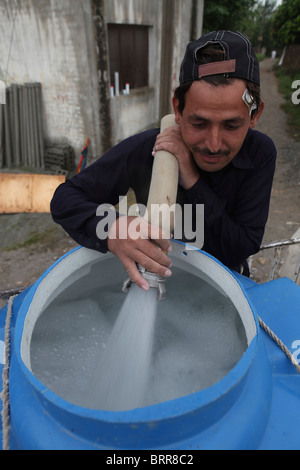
(134, 274)
(131, 250)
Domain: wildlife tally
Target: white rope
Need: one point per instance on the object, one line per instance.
(5, 377)
(280, 344)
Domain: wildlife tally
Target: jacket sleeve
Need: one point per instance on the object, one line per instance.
(75, 203)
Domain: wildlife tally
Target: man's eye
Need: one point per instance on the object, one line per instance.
(199, 125)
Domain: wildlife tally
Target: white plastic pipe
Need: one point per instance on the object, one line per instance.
(163, 187)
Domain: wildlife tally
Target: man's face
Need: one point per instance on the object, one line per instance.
(214, 122)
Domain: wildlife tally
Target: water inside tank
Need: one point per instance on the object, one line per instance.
(198, 336)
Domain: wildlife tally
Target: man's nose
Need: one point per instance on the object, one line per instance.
(213, 139)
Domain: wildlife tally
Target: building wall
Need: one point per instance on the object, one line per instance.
(63, 45)
(51, 41)
(173, 24)
(138, 110)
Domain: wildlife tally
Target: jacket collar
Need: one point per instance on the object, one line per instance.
(242, 160)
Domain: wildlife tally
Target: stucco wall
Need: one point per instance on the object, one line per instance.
(55, 42)
(52, 42)
(139, 110)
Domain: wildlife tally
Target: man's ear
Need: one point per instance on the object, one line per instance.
(175, 103)
(256, 117)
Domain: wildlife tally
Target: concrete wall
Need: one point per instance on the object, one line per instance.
(173, 24)
(51, 42)
(139, 110)
(63, 45)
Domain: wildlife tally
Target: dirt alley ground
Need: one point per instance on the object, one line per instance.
(30, 243)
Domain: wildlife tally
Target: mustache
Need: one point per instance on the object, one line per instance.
(206, 151)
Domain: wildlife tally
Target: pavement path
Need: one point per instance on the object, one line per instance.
(284, 215)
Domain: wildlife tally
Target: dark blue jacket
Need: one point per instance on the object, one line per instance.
(236, 199)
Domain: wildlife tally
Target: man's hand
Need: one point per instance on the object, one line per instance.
(130, 238)
(171, 141)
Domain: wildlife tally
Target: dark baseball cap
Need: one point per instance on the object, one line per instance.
(240, 59)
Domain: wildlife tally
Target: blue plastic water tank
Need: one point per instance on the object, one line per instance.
(252, 407)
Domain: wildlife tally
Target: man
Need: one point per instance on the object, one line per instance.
(223, 164)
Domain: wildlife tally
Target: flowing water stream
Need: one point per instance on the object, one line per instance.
(122, 374)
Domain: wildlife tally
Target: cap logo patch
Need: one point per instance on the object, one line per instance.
(215, 68)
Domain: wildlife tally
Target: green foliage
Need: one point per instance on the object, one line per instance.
(225, 14)
(253, 18)
(285, 80)
(266, 25)
(260, 56)
(286, 23)
(257, 25)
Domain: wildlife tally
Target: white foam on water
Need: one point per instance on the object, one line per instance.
(68, 336)
(103, 343)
